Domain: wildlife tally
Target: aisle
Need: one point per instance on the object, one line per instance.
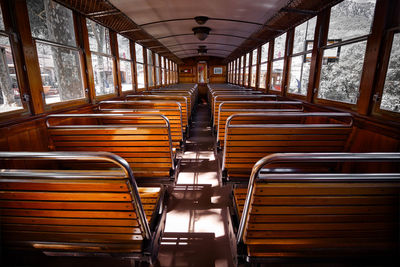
(197, 227)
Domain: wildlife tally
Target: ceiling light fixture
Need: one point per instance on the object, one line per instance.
(202, 50)
(201, 19)
(201, 32)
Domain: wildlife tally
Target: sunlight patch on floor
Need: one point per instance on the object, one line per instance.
(198, 178)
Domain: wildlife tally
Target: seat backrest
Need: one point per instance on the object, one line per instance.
(281, 132)
(218, 99)
(143, 140)
(183, 100)
(229, 108)
(75, 210)
(318, 214)
(171, 110)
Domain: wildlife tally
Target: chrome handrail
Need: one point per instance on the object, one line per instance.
(310, 157)
(86, 156)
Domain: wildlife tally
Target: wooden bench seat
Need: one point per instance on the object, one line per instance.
(229, 108)
(281, 132)
(171, 110)
(79, 212)
(319, 215)
(144, 141)
(182, 100)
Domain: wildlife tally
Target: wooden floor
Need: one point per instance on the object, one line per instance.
(198, 230)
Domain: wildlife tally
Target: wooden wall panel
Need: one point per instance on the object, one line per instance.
(191, 64)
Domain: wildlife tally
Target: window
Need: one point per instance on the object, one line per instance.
(150, 68)
(246, 70)
(157, 61)
(277, 63)
(102, 61)
(263, 66)
(253, 68)
(10, 99)
(391, 90)
(52, 27)
(301, 57)
(241, 73)
(162, 71)
(139, 66)
(125, 63)
(167, 78)
(342, 64)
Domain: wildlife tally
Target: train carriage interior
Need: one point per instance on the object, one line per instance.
(187, 133)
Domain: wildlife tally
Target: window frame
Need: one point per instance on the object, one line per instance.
(301, 53)
(26, 106)
(132, 64)
(382, 72)
(324, 46)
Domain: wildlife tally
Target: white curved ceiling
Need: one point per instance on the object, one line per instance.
(158, 18)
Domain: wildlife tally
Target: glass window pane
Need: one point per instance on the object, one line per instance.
(263, 75)
(253, 76)
(299, 74)
(103, 74)
(9, 92)
(254, 57)
(149, 57)
(126, 75)
(162, 76)
(350, 19)
(51, 21)
(341, 74)
(264, 52)
(158, 76)
(157, 62)
(123, 47)
(150, 74)
(162, 62)
(276, 75)
(304, 36)
(247, 59)
(139, 53)
(61, 73)
(99, 38)
(279, 46)
(140, 75)
(246, 76)
(391, 90)
(1, 21)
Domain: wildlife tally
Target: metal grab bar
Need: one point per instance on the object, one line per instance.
(106, 115)
(86, 156)
(312, 157)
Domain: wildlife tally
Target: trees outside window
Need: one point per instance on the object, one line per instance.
(263, 66)
(277, 62)
(102, 61)
(52, 28)
(139, 66)
(343, 56)
(391, 90)
(301, 57)
(253, 68)
(125, 63)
